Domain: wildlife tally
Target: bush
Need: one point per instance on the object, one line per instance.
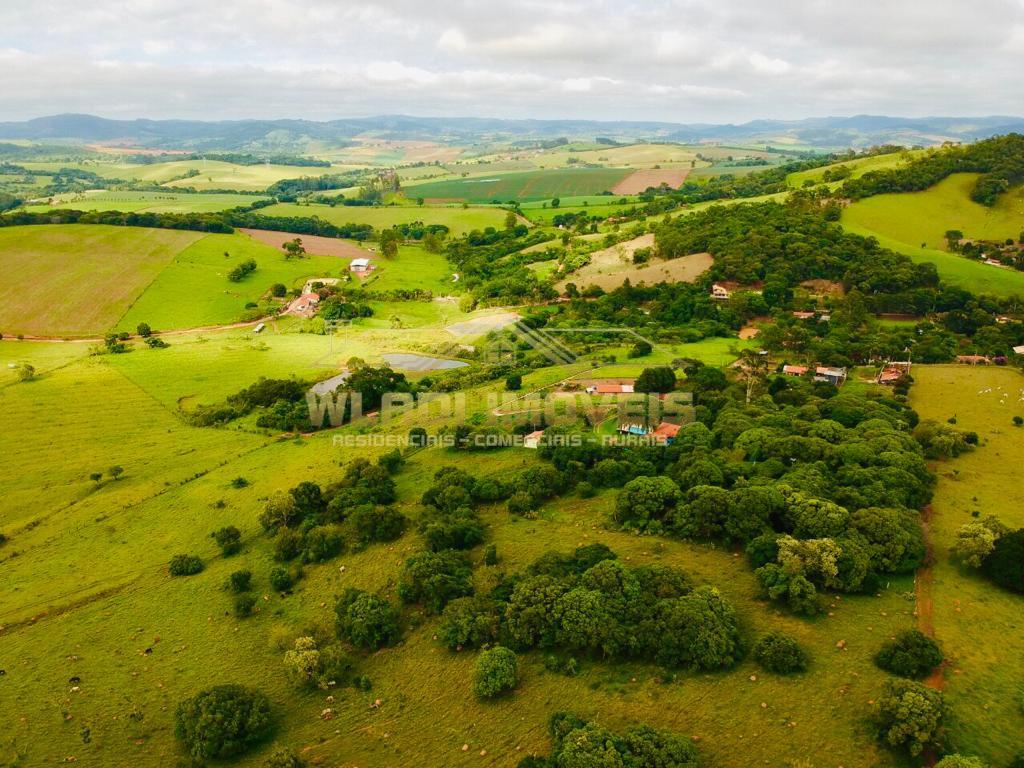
(287, 545)
(185, 565)
(585, 490)
(240, 581)
(244, 605)
(280, 579)
(284, 758)
(229, 539)
(367, 621)
(223, 721)
(912, 654)
(780, 654)
(495, 672)
(909, 715)
(960, 761)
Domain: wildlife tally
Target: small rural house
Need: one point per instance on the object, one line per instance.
(533, 439)
(722, 291)
(360, 266)
(305, 305)
(666, 433)
(834, 376)
(610, 388)
(794, 370)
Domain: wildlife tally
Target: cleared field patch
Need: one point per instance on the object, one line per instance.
(150, 202)
(639, 181)
(977, 624)
(77, 280)
(414, 268)
(459, 220)
(611, 267)
(858, 167)
(922, 218)
(318, 246)
(194, 290)
(529, 185)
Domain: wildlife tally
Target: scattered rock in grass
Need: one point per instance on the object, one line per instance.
(465, 747)
(841, 644)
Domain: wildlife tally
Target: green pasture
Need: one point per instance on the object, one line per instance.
(459, 220)
(858, 167)
(978, 625)
(77, 280)
(149, 202)
(923, 218)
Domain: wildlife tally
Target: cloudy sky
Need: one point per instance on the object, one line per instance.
(674, 60)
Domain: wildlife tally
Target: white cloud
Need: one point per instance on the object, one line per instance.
(679, 60)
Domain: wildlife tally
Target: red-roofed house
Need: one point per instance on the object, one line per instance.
(794, 370)
(665, 433)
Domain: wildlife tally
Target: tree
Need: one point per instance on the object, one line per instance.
(909, 715)
(280, 578)
(244, 605)
(780, 654)
(511, 220)
(278, 290)
(96, 476)
(961, 761)
(294, 249)
(514, 382)
(116, 471)
(1005, 563)
(912, 654)
(283, 758)
(229, 539)
(367, 621)
(496, 671)
(699, 630)
(388, 243)
(144, 330)
(644, 502)
(185, 565)
(469, 622)
(975, 540)
(642, 349)
(434, 578)
(660, 379)
(222, 722)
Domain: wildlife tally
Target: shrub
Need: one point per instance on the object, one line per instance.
(307, 664)
(240, 581)
(585, 490)
(244, 605)
(322, 543)
(366, 620)
(912, 654)
(287, 545)
(909, 715)
(223, 721)
(282, 757)
(280, 579)
(491, 555)
(780, 654)
(514, 383)
(960, 761)
(229, 539)
(495, 672)
(185, 565)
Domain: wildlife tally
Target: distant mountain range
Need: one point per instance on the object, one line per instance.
(302, 135)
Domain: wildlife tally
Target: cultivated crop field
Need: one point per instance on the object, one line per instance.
(531, 185)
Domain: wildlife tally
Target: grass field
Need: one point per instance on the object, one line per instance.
(459, 220)
(193, 290)
(212, 174)
(956, 270)
(858, 168)
(917, 218)
(413, 268)
(151, 202)
(525, 186)
(127, 604)
(978, 625)
(77, 280)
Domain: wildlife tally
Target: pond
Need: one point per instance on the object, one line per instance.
(410, 362)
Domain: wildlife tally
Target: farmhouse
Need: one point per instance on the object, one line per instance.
(726, 289)
(665, 433)
(305, 305)
(834, 376)
(794, 370)
(533, 439)
(360, 266)
(610, 388)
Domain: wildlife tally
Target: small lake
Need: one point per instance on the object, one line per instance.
(410, 362)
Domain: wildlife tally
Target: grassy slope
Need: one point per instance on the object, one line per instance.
(979, 626)
(426, 713)
(459, 220)
(530, 185)
(194, 289)
(79, 279)
(859, 167)
(914, 218)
